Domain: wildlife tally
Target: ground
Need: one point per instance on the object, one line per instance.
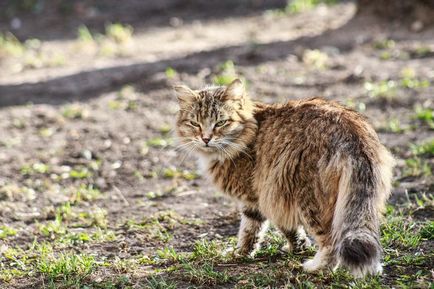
(93, 190)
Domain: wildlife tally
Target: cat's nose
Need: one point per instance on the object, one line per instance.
(206, 140)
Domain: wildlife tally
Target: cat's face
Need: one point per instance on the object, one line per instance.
(213, 121)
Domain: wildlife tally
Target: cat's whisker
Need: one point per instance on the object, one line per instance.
(238, 148)
(187, 154)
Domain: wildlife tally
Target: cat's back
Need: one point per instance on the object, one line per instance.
(309, 118)
(309, 129)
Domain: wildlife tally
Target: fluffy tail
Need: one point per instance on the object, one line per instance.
(364, 187)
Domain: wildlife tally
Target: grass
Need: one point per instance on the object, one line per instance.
(70, 269)
(424, 149)
(425, 115)
(416, 167)
(315, 58)
(387, 89)
(299, 6)
(418, 164)
(10, 45)
(209, 263)
(227, 74)
(170, 73)
(6, 231)
(114, 42)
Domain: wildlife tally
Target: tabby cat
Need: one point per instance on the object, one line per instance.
(309, 165)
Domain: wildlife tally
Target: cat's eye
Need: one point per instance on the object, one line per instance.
(193, 123)
(221, 123)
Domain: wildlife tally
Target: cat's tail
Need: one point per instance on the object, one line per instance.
(364, 186)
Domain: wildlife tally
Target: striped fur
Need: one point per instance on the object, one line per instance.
(309, 163)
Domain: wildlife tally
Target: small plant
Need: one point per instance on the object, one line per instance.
(85, 193)
(36, 168)
(395, 126)
(416, 167)
(84, 34)
(425, 115)
(205, 274)
(158, 142)
(315, 58)
(10, 45)
(70, 268)
(74, 112)
(6, 231)
(397, 233)
(298, 6)
(427, 231)
(170, 173)
(384, 44)
(227, 75)
(170, 72)
(409, 80)
(119, 33)
(157, 282)
(53, 228)
(80, 173)
(426, 148)
(385, 89)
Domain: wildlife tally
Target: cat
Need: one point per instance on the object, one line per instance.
(309, 165)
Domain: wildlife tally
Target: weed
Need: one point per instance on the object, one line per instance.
(170, 173)
(71, 268)
(159, 142)
(385, 89)
(85, 193)
(36, 168)
(409, 80)
(53, 228)
(170, 72)
(416, 167)
(6, 231)
(394, 126)
(298, 6)
(315, 58)
(119, 33)
(423, 149)
(425, 115)
(427, 231)
(227, 74)
(10, 45)
(74, 112)
(384, 44)
(205, 274)
(158, 282)
(80, 172)
(84, 34)
(397, 233)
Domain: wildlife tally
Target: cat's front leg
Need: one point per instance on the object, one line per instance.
(252, 229)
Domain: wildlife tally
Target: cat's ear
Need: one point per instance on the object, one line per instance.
(235, 91)
(184, 94)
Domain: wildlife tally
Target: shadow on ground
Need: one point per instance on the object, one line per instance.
(88, 84)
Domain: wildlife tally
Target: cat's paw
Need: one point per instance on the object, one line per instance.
(311, 265)
(288, 248)
(245, 252)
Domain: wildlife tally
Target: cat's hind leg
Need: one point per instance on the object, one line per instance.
(252, 229)
(321, 259)
(297, 239)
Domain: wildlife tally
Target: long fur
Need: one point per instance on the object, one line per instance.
(310, 164)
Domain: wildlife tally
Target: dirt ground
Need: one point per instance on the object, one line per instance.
(88, 158)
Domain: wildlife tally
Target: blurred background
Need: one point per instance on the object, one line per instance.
(94, 192)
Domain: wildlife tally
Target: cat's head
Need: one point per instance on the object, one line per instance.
(217, 122)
